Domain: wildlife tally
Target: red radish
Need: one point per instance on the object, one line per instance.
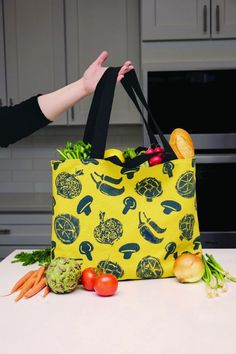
(157, 159)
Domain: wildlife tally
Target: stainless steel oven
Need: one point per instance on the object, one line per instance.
(203, 102)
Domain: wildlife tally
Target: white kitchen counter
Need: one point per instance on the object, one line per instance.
(145, 316)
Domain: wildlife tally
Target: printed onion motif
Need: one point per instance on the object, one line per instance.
(108, 231)
(67, 185)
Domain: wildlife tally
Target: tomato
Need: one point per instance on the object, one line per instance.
(88, 278)
(105, 284)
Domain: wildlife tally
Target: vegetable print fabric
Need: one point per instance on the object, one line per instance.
(129, 222)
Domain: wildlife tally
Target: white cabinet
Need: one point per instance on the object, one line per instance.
(24, 231)
(223, 17)
(34, 48)
(92, 26)
(2, 62)
(46, 44)
(188, 19)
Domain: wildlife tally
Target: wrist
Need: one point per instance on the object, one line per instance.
(83, 89)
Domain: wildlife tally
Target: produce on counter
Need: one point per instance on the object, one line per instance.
(215, 276)
(78, 150)
(41, 256)
(30, 284)
(189, 268)
(182, 144)
(88, 277)
(63, 274)
(105, 284)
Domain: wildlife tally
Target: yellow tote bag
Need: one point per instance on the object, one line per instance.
(126, 219)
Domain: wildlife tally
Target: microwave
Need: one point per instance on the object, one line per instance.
(203, 103)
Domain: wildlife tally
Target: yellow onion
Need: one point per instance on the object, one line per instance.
(189, 268)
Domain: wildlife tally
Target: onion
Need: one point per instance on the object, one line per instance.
(189, 268)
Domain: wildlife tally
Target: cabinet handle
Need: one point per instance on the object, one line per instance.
(217, 18)
(205, 19)
(5, 231)
(10, 102)
(72, 114)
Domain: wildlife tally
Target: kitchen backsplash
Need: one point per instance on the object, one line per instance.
(25, 166)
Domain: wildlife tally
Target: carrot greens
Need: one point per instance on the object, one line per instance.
(40, 256)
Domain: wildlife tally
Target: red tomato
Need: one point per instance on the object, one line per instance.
(88, 278)
(105, 284)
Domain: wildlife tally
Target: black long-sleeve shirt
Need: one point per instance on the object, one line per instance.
(21, 120)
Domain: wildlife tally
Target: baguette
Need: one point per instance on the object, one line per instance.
(181, 143)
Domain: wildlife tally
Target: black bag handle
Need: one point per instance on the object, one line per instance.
(99, 115)
(130, 82)
(97, 123)
(96, 128)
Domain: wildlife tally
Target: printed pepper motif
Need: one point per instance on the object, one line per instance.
(105, 188)
(146, 232)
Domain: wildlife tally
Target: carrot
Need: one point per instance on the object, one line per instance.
(21, 281)
(46, 291)
(26, 287)
(40, 272)
(36, 288)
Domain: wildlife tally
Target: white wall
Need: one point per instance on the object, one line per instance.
(25, 166)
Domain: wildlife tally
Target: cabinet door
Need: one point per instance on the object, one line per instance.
(94, 26)
(175, 19)
(223, 18)
(35, 48)
(2, 62)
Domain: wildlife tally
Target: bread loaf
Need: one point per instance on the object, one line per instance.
(181, 143)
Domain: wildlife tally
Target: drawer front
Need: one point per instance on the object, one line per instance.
(25, 219)
(7, 230)
(24, 231)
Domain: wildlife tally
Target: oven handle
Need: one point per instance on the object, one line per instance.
(216, 158)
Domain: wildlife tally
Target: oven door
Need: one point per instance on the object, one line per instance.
(216, 199)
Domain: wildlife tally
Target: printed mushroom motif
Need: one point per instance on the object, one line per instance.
(129, 203)
(129, 172)
(170, 248)
(84, 205)
(170, 206)
(168, 168)
(128, 249)
(86, 248)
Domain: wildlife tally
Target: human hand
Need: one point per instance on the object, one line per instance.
(95, 71)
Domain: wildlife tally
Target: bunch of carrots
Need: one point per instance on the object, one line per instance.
(30, 284)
